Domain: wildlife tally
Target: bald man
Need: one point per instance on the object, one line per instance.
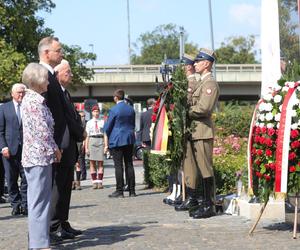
(63, 176)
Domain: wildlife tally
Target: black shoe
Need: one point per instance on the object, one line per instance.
(71, 230)
(126, 188)
(16, 211)
(24, 211)
(83, 178)
(2, 200)
(55, 239)
(205, 211)
(116, 194)
(187, 204)
(132, 194)
(64, 234)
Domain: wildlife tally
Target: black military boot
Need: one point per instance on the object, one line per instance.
(207, 207)
(191, 200)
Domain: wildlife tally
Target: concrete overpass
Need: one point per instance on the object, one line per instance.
(237, 82)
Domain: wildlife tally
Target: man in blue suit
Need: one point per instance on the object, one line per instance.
(119, 129)
(11, 149)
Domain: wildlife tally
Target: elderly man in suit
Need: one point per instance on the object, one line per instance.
(63, 176)
(143, 134)
(119, 129)
(11, 149)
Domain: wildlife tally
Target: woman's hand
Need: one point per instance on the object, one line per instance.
(105, 149)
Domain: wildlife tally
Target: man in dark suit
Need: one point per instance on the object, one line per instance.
(63, 177)
(51, 54)
(119, 129)
(143, 134)
(2, 199)
(11, 149)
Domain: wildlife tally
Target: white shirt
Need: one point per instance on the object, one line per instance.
(47, 66)
(91, 129)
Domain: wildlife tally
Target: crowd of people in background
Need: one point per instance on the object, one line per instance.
(44, 139)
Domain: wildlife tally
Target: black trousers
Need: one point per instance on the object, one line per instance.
(81, 161)
(121, 154)
(61, 196)
(14, 169)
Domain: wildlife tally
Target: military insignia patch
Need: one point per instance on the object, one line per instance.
(208, 91)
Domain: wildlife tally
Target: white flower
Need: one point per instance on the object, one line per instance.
(285, 89)
(268, 107)
(262, 106)
(269, 116)
(295, 101)
(261, 117)
(261, 125)
(280, 107)
(293, 113)
(294, 126)
(277, 87)
(268, 97)
(290, 84)
(277, 98)
(277, 117)
(270, 125)
(278, 125)
(257, 124)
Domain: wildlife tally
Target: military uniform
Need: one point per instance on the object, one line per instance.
(199, 148)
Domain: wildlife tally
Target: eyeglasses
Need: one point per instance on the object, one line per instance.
(61, 50)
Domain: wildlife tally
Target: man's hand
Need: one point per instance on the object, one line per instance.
(84, 135)
(57, 155)
(6, 153)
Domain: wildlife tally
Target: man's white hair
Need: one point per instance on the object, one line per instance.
(63, 63)
(18, 86)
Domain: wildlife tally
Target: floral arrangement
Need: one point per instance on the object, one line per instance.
(264, 141)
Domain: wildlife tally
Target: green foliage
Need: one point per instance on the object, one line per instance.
(152, 47)
(230, 157)
(20, 32)
(236, 50)
(156, 169)
(233, 119)
(292, 72)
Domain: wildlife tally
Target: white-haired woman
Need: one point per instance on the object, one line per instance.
(39, 152)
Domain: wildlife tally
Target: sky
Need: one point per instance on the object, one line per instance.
(101, 26)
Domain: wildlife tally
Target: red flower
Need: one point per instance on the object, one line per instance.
(295, 144)
(294, 133)
(153, 117)
(269, 152)
(253, 151)
(264, 130)
(292, 155)
(257, 130)
(272, 165)
(257, 138)
(262, 140)
(258, 174)
(257, 162)
(292, 169)
(271, 131)
(269, 142)
(172, 106)
(259, 152)
(267, 177)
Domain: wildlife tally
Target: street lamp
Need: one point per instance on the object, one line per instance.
(92, 51)
(128, 22)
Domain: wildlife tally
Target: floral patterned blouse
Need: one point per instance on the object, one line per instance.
(38, 128)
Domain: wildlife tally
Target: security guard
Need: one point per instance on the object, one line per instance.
(200, 144)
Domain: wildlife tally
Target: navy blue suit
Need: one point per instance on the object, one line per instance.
(119, 129)
(11, 137)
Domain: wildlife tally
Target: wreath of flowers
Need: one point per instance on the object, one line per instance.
(264, 138)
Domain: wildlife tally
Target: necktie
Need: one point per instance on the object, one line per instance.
(96, 125)
(19, 113)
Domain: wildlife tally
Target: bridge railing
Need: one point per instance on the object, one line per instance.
(115, 69)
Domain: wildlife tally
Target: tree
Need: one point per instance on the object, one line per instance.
(236, 50)
(162, 41)
(289, 40)
(20, 32)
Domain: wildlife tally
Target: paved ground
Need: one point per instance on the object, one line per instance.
(144, 222)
